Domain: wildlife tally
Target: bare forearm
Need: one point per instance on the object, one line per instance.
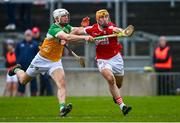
(78, 31)
(71, 37)
(117, 30)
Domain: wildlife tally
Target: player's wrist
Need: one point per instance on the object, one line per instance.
(89, 38)
(117, 30)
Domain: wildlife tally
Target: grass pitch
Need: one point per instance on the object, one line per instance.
(160, 108)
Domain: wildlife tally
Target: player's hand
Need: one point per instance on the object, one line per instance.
(88, 38)
(63, 42)
(85, 22)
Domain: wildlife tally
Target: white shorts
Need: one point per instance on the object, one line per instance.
(11, 79)
(42, 65)
(115, 64)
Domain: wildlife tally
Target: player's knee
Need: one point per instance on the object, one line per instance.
(62, 83)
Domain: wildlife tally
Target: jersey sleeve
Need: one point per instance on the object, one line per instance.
(88, 30)
(54, 30)
(69, 27)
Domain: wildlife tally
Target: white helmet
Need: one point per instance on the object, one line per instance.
(58, 13)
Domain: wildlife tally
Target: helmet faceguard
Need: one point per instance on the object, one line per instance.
(102, 13)
(58, 13)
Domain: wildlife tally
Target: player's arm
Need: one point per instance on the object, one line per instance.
(71, 37)
(78, 31)
(115, 28)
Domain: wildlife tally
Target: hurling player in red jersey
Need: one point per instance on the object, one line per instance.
(108, 56)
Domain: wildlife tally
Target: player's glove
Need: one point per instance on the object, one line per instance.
(85, 22)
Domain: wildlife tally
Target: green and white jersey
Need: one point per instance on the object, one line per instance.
(55, 29)
(51, 48)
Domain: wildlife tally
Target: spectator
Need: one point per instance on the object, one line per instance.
(162, 60)
(36, 34)
(11, 81)
(25, 52)
(45, 84)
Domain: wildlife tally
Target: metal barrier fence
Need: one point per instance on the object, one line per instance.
(167, 83)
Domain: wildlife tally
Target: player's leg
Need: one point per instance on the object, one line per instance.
(59, 77)
(119, 81)
(23, 77)
(118, 71)
(105, 67)
(108, 75)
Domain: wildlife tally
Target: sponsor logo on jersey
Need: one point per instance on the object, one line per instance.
(104, 41)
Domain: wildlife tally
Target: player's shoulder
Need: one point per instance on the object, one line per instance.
(55, 26)
(111, 24)
(93, 27)
(68, 26)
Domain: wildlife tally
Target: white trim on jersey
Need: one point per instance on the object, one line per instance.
(87, 28)
(49, 36)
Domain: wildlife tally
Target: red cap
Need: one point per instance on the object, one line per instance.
(35, 29)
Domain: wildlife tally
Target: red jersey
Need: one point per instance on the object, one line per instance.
(105, 48)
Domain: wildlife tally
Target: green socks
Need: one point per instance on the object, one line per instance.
(17, 69)
(61, 106)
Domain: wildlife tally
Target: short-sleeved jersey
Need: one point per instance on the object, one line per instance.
(105, 48)
(51, 47)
